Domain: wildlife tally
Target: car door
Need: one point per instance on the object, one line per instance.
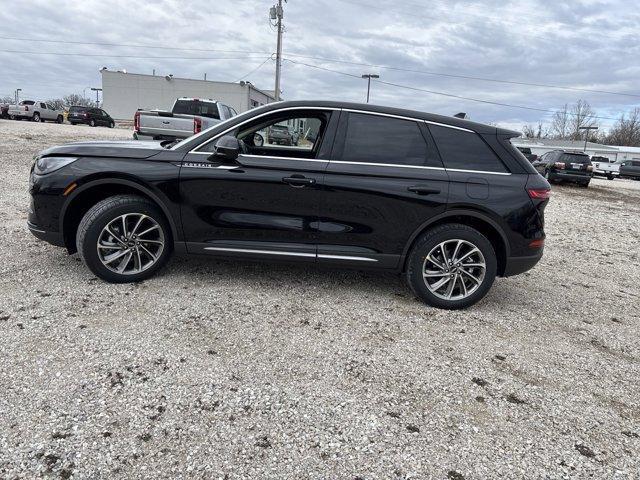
(383, 183)
(263, 205)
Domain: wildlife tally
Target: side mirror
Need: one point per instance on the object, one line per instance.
(227, 149)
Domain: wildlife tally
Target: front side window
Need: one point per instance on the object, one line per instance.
(42, 105)
(280, 135)
(387, 140)
(464, 150)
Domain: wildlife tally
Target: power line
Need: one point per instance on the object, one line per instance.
(124, 56)
(130, 45)
(298, 55)
(254, 70)
(444, 94)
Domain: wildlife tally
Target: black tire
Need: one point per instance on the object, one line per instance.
(111, 124)
(584, 184)
(13, 117)
(36, 117)
(92, 123)
(549, 176)
(100, 215)
(59, 119)
(430, 240)
(609, 177)
(73, 123)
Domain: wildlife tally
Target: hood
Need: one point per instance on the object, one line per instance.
(107, 148)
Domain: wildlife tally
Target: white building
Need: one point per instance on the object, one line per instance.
(124, 93)
(540, 146)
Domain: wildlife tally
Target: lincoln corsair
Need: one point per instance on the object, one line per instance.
(448, 203)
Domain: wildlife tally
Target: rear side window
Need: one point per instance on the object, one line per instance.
(465, 150)
(378, 139)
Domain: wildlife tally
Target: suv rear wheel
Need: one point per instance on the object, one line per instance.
(451, 266)
(124, 238)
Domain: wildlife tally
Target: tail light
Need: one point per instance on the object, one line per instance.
(538, 243)
(85, 115)
(197, 125)
(539, 193)
(26, 108)
(589, 168)
(136, 122)
(560, 165)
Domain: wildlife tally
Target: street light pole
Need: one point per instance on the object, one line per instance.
(18, 90)
(586, 135)
(97, 90)
(369, 76)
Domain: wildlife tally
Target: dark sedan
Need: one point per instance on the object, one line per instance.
(630, 169)
(559, 165)
(90, 116)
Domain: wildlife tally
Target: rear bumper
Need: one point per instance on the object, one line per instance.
(518, 265)
(54, 238)
(571, 177)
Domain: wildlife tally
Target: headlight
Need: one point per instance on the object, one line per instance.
(46, 165)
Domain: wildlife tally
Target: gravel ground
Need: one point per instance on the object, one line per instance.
(231, 370)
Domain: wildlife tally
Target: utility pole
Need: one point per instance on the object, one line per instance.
(369, 76)
(18, 90)
(97, 90)
(586, 135)
(276, 13)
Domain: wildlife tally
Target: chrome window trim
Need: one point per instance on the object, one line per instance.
(270, 112)
(412, 119)
(476, 171)
(285, 158)
(393, 165)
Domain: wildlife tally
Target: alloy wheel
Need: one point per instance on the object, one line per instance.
(454, 269)
(130, 244)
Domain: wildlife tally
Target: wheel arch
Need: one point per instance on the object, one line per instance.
(478, 220)
(87, 195)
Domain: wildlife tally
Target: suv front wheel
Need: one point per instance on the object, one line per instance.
(451, 266)
(124, 238)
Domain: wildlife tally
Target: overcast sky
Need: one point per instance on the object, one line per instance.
(585, 44)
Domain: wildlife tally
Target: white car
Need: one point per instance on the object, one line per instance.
(36, 111)
(604, 167)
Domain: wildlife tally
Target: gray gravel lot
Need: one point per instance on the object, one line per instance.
(239, 370)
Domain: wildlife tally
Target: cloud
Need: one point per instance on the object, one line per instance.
(587, 44)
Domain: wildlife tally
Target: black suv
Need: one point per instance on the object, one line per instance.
(447, 202)
(561, 165)
(90, 116)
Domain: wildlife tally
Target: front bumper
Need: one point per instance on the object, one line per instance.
(54, 238)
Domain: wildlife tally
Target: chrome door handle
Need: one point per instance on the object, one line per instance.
(298, 181)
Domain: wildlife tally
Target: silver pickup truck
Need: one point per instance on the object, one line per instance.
(36, 111)
(187, 117)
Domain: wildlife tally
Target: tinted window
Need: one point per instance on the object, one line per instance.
(378, 139)
(195, 107)
(465, 150)
(42, 105)
(27, 102)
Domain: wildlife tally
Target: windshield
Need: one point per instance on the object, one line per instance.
(575, 158)
(196, 107)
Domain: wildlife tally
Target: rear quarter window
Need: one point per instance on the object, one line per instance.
(464, 150)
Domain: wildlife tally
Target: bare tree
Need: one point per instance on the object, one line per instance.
(71, 99)
(560, 123)
(529, 131)
(581, 115)
(7, 100)
(626, 131)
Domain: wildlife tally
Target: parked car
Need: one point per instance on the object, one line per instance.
(90, 116)
(604, 167)
(630, 169)
(449, 203)
(187, 117)
(526, 151)
(560, 165)
(282, 135)
(4, 110)
(36, 111)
